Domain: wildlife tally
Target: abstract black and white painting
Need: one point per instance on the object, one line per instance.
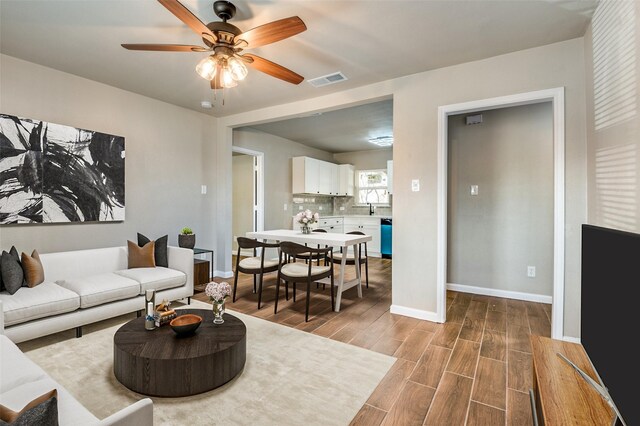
(54, 173)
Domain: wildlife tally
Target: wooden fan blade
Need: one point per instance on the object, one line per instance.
(273, 69)
(273, 31)
(185, 15)
(165, 47)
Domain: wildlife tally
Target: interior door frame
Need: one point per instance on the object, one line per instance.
(556, 97)
(258, 187)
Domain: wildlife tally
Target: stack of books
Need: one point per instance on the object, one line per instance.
(165, 317)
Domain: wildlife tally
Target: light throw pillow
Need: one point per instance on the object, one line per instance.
(160, 249)
(141, 257)
(33, 270)
(11, 269)
(42, 411)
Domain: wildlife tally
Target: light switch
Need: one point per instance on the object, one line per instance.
(474, 189)
(415, 185)
(203, 189)
(285, 207)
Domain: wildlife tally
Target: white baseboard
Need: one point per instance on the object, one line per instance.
(414, 313)
(571, 339)
(223, 274)
(529, 297)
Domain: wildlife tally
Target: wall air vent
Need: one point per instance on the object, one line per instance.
(325, 80)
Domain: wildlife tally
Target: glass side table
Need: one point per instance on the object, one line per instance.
(198, 251)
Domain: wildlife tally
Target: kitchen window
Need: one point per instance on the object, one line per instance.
(372, 187)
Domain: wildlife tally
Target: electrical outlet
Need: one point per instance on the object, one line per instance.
(415, 185)
(285, 207)
(203, 189)
(341, 208)
(319, 207)
(474, 189)
(531, 271)
(300, 208)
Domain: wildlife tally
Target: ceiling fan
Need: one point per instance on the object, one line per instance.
(226, 66)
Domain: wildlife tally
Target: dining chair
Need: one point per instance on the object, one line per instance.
(307, 256)
(256, 265)
(337, 256)
(302, 273)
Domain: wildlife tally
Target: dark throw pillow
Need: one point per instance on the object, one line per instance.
(161, 256)
(141, 257)
(42, 411)
(11, 269)
(33, 270)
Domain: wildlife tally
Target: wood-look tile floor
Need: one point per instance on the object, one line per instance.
(473, 370)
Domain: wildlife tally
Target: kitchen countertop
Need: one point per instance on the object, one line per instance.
(379, 216)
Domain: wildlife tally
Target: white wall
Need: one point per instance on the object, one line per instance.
(365, 160)
(277, 171)
(242, 196)
(416, 99)
(165, 161)
(495, 235)
(613, 144)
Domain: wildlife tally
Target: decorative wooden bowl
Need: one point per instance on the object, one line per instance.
(185, 324)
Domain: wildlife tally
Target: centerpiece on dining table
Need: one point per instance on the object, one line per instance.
(306, 219)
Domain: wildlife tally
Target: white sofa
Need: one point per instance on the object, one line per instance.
(22, 380)
(86, 286)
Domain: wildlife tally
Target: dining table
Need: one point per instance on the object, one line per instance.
(343, 241)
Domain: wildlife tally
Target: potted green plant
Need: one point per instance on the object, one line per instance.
(187, 239)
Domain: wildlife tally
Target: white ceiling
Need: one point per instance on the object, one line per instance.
(343, 130)
(367, 40)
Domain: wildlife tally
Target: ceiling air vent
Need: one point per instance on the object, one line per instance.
(325, 80)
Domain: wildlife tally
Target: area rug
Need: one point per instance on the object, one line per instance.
(290, 377)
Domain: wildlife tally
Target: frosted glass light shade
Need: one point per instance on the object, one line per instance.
(207, 68)
(237, 69)
(226, 79)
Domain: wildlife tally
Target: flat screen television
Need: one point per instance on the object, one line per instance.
(609, 319)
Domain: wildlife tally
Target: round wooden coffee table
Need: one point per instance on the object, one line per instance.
(161, 363)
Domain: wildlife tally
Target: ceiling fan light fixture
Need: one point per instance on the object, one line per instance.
(236, 68)
(207, 68)
(382, 141)
(225, 67)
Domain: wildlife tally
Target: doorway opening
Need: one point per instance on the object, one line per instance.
(556, 98)
(247, 193)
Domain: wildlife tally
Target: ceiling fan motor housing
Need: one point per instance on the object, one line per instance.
(224, 31)
(224, 10)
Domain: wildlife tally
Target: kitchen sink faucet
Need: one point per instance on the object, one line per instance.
(372, 209)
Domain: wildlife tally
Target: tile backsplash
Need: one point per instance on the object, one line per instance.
(330, 206)
(315, 203)
(351, 208)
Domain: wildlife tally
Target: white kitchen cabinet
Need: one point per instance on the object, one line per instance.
(328, 178)
(390, 176)
(312, 176)
(368, 225)
(346, 176)
(305, 175)
(333, 225)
